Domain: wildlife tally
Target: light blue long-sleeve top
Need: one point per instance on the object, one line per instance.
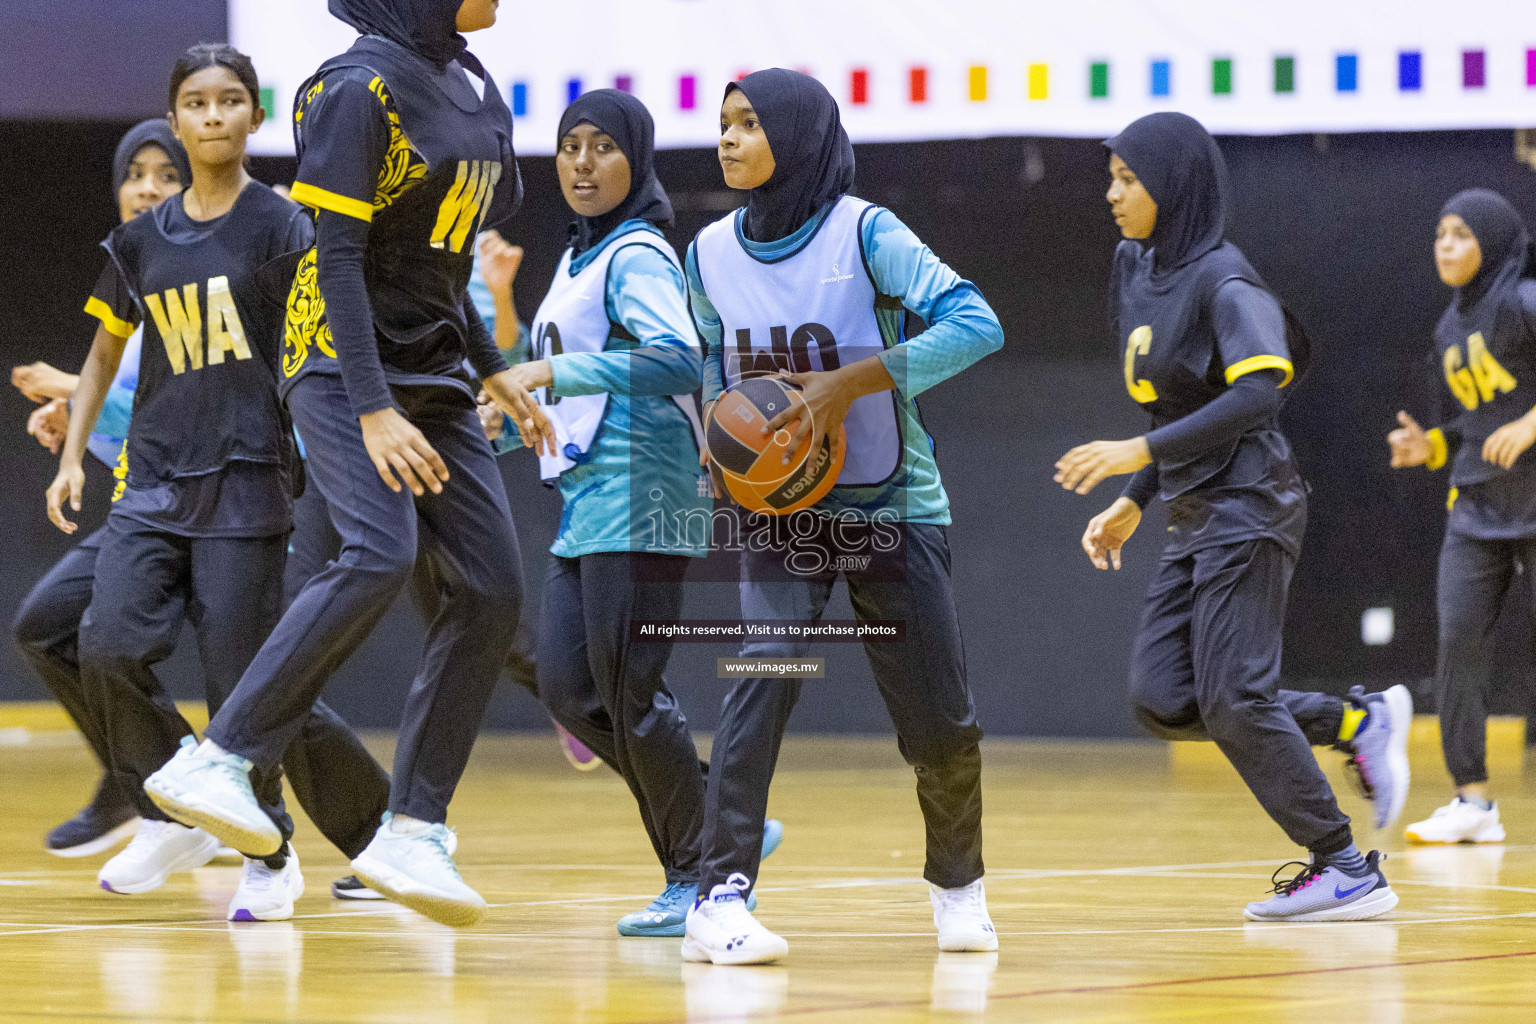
(961, 330)
(640, 486)
(107, 436)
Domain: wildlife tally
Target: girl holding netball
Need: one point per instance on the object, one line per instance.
(405, 152)
(1486, 342)
(806, 262)
(1206, 352)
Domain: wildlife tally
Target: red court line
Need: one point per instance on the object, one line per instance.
(1134, 986)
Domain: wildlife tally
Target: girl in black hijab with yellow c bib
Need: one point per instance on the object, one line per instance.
(1207, 348)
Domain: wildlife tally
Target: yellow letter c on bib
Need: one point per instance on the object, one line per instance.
(1139, 344)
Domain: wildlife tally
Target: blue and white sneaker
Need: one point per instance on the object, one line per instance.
(416, 869)
(1379, 750)
(1327, 894)
(213, 792)
(665, 917)
(773, 835)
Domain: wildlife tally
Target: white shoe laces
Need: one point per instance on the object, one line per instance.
(433, 845)
(733, 915)
(257, 877)
(966, 899)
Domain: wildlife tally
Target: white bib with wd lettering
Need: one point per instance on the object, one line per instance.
(814, 310)
(574, 318)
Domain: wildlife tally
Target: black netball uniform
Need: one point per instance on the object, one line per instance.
(1486, 347)
(199, 521)
(404, 162)
(1207, 657)
(1205, 348)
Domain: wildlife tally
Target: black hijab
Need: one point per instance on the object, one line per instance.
(154, 132)
(813, 159)
(1501, 235)
(628, 123)
(425, 27)
(1178, 162)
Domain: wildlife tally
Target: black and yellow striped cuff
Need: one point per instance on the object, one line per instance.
(1438, 451)
(320, 199)
(101, 311)
(1253, 363)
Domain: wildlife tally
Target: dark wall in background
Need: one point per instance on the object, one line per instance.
(82, 59)
(1341, 227)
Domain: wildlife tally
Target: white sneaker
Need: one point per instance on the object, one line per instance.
(961, 917)
(1459, 821)
(214, 793)
(158, 850)
(267, 895)
(416, 869)
(721, 930)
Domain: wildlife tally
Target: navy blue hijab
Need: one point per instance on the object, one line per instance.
(628, 123)
(1504, 241)
(813, 159)
(1178, 162)
(427, 28)
(154, 132)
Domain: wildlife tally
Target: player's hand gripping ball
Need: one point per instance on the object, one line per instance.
(750, 465)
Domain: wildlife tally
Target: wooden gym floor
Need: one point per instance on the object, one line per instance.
(1117, 875)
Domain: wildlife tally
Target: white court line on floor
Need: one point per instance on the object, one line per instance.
(1165, 870)
(219, 926)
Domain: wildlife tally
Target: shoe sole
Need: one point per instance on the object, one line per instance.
(1487, 836)
(979, 945)
(256, 843)
(670, 931)
(282, 913)
(189, 861)
(697, 952)
(101, 843)
(1364, 909)
(1400, 707)
(439, 907)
